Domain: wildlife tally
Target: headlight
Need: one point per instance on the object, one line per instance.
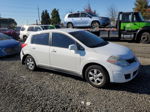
(117, 61)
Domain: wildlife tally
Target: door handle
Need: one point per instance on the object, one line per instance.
(33, 48)
(54, 51)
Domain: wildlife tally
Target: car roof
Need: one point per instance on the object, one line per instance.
(63, 30)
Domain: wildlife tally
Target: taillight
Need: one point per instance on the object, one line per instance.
(23, 45)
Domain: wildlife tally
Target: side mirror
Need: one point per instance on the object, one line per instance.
(73, 47)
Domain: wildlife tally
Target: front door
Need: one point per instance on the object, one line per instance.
(60, 56)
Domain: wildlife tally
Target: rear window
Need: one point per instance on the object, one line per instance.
(22, 29)
(41, 39)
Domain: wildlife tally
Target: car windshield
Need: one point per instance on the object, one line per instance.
(4, 37)
(93, 15)
(47, 27)
(89, 39)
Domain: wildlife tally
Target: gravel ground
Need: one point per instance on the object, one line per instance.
(43, 90)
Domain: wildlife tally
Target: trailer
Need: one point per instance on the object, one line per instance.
(129, 25)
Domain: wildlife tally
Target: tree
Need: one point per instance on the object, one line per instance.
(55, 18)
(45, 18)
(141, 6)
(88, 9)
(112, 13)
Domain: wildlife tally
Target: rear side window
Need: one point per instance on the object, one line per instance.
(37, 29)
(31, 29)
(41, 39)
(22, 29)
(61, 40)
(70, 15)
(76, 15)
(84, 15)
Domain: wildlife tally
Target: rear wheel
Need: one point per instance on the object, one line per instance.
(69, 25)
(145, 38)
(30, 63)
(96, 76)
(95, 24)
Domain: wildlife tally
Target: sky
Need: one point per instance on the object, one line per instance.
(26, 11)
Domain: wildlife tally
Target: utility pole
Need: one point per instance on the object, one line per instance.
(39, 15)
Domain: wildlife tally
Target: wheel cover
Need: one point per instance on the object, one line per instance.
(30, 63)
(70, 25)
(95, 25)
(145, 37)
(95, 76)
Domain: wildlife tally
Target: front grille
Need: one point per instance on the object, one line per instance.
(11, 50)
(132, 60)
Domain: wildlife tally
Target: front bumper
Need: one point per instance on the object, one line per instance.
(125, 74)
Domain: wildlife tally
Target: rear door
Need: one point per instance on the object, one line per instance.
(40, 48)
(76, 20)
(85, 19)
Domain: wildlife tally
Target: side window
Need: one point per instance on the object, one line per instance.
(126, 17)
(76, 15)
(84, 15)
(22, 29)
(31, 29)
(37, 29)
(61, 40)
(41, 39)
(70, 15)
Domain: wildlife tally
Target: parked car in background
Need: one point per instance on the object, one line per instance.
(84, 19)
(8, 46)
(87, 56)
(27, 29)
(17, 29)
(47, 27)
(10, 32)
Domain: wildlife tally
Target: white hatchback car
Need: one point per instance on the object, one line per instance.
(81, 53)
(26, 30)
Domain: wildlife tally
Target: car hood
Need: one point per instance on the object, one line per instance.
(8, 43)
(115, 50)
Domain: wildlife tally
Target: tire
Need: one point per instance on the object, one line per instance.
(30, 63)
(95, 24)
(96, 76)
(145, 38)
(24, 38)
(69, 25)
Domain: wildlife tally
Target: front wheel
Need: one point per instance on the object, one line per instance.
(30, 63)
(96, 76)
(145, 38)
